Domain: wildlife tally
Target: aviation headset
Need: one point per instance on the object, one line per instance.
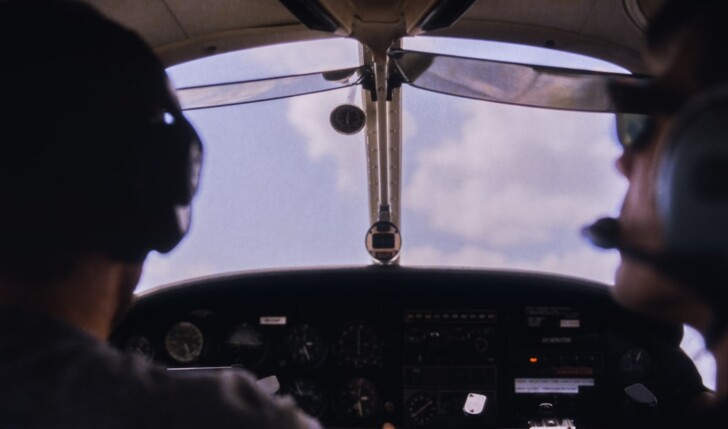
(692, 203)
(97, 155)
(142, 200)
(692, 181)
(155, 214)
(692, 200)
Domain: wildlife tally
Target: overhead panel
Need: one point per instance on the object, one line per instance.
(151, 19)
(613, 25)
(599, 29)
(443, 14)
(183, 30)
(377, 23)
(566, 15)
(642, 11)
(648, 7)
(316, 17)
(200, 18)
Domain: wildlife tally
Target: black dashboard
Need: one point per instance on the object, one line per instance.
(423, 348)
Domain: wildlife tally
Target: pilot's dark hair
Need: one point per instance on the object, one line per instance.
(74, 89)
(706, 21)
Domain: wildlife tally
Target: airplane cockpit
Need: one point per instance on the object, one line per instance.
(388, 224)
(359, 346)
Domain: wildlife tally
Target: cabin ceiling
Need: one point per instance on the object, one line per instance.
(182, 30)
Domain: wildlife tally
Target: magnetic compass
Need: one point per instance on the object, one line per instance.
(348, 119)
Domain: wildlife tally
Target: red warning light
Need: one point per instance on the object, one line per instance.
(533, 360)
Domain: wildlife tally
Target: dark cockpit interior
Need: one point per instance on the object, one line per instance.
(417, 347)
(424, 347)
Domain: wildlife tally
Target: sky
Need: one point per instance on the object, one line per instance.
(484, 185)
(280, 188)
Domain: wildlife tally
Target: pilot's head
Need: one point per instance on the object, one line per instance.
(96, 155)
(677, 201)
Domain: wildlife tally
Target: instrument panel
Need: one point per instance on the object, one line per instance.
(418, 347)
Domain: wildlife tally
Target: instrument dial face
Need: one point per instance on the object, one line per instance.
(422, 408)
(348, 119)
(184, 342)
(308, 394)
(636, 362)
(304, 346)
(246, 344)
(141, 346)
(359, 400)
(359, 346)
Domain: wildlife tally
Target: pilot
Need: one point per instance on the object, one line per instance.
(672, 231)
(99, 167)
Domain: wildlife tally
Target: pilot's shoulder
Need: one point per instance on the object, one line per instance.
(231, 396)
(80, 382)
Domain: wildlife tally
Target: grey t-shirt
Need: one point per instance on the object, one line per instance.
(53, 375)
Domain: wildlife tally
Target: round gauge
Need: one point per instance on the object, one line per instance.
(184, 342)
(308, 394)
(246, 344)
(359, 399)
(141, 346)
(347, 119)
(359, 346)
(636, 362)
(422, 408)
(304, 346)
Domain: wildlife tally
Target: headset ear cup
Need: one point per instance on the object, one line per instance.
(152, 206)
(173, 168)
(189, 161)
(692, 188)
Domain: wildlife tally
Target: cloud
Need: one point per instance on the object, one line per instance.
(513, 176)
(307, 57)
(581, 262)
(309, 115)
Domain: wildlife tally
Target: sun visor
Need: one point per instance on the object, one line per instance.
(510, 83)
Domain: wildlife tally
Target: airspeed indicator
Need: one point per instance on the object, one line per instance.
(184, 342)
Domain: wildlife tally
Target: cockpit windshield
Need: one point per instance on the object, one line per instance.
(503, 186)
(279, 187)
(484, 184)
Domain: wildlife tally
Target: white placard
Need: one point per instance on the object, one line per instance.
(273, 320)
(569, 386)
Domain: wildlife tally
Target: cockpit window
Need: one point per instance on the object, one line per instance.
(484, 185)
(279, 187)
(503, 186)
